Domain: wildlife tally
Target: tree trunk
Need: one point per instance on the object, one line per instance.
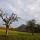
(32, 32)
(7, 27)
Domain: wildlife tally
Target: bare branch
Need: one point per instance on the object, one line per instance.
(13, 18)
(1, 13)
(7, 20)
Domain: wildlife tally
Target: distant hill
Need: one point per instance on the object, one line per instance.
(25, 28)
(21, 28)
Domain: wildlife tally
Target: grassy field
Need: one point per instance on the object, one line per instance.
(15, 35)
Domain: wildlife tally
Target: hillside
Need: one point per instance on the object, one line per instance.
(21, 28)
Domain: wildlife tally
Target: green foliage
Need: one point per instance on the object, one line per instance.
(31, 25)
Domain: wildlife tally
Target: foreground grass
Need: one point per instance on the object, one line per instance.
(14, 35)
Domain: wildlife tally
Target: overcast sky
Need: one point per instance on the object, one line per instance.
(26, 9)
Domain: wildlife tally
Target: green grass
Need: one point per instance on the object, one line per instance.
(15, 35)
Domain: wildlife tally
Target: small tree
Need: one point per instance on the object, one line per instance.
(38, 28)
(8, 20)
(31, 25)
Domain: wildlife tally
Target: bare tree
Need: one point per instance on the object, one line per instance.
(8, 20)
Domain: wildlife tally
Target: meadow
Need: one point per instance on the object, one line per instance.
(15, 35)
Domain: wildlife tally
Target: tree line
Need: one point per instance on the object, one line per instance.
(31, 26)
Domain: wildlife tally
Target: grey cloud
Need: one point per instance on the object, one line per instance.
(26, 9)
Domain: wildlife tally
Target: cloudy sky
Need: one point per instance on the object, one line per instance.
(26, 9)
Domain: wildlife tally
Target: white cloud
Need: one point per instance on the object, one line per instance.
(26, 9)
